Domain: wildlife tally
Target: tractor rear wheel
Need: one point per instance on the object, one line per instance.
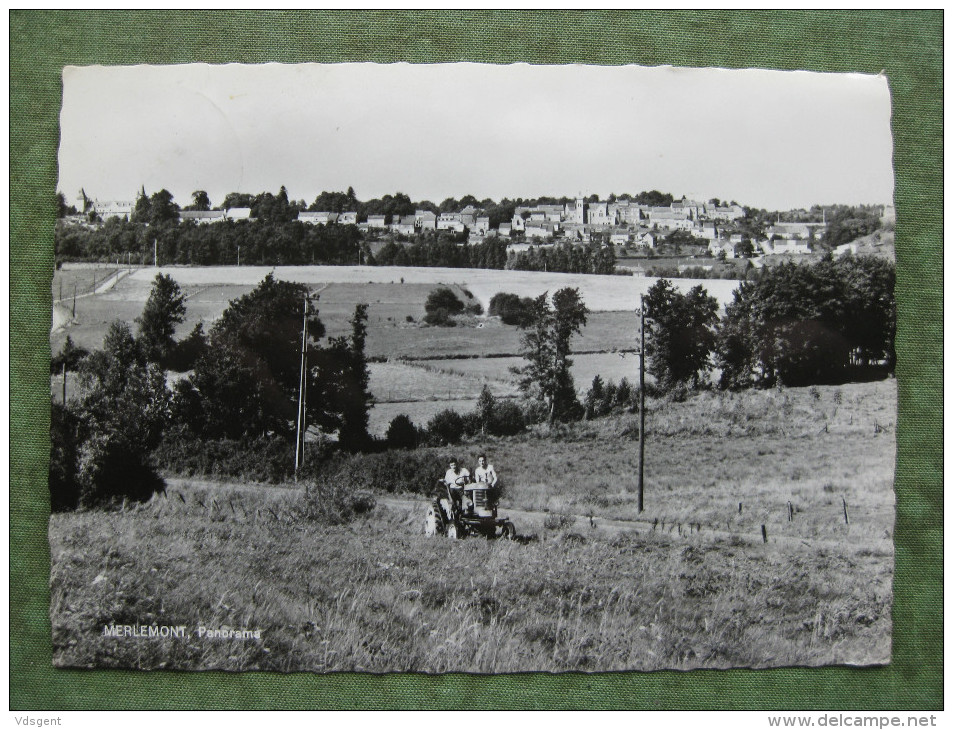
(452, 531)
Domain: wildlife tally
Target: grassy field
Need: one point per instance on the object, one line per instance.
(688, 584)
(391, 302)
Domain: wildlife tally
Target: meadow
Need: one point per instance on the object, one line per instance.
(591, 584)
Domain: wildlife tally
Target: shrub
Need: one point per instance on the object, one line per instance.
(111, 472)
(476, 308)
(389, 471)
(402, 433)
(559, 521)
(439, 318)
(443, 298)
(511, 309)
(64, 459)
(261, 459)
(447, 427)
(507, 419)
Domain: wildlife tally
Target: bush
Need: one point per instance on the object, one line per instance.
(507, 419)
(261, 459)
(443, 298)
(110, 472)
(402, 433)
(476, 309)
(389, 471)
(64, 459)
(511, 309)
(439, 318)
(447, 427)
(559, 521)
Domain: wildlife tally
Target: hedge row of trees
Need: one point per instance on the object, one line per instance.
(243, 387)
(796, 325)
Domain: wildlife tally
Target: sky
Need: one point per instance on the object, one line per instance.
(768, 139)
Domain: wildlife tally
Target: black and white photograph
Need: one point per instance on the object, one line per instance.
(472, 368)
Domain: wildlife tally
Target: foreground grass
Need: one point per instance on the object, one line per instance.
(377, 596)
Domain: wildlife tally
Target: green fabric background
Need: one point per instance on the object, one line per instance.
(906, 45)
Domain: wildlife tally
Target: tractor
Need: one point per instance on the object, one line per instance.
(470, 512)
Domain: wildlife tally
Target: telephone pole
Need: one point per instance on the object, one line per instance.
(642, 409)
(302, 391)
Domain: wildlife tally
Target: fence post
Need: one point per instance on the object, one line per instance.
(764, 534)
(846, 515)
(790, 512)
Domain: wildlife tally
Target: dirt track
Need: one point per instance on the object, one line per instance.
(530, 523)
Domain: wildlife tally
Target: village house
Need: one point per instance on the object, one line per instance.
(468, 216)
(668, 219)
(706, 230)
(506, 229)
(716, 247)
(644, 240)
(405, 225)
(792, 246)
(377, 221)
(202, 217)
(317, 218)
(482, 226)
(348, 218)
(425, 220)
(450, 222)
(725, 213)
(619, 237)
(541, 229)
(599, 215)
(691, 207)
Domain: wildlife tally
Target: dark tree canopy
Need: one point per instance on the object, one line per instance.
(805, 324)
(680, 332)
(545, 344)
(164, 310)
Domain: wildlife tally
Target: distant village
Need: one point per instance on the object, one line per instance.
(619, 222)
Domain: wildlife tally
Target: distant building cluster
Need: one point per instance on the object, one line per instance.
(621, 222)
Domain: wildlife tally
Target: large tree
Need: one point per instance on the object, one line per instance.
(681, 334)
(246, 383)
(164, 309)
(546, 344)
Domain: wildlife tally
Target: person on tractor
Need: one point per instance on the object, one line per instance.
(456, 478)
(485, 471)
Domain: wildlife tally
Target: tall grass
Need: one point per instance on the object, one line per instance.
(375, 595)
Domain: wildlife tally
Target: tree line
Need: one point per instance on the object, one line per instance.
(243, 386)
(795, 325)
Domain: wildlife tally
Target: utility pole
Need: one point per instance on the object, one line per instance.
(74, 300)
(239, 256)
(642, 409)
(302, 387)
(64, 381)
(155, 252)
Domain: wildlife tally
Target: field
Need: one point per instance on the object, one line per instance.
(591, 584)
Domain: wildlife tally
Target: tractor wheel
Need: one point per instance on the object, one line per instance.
(431, 522)
(452, 531)
(509, 531)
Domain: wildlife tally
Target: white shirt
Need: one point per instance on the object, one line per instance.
(451, 476)
(487, 475)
